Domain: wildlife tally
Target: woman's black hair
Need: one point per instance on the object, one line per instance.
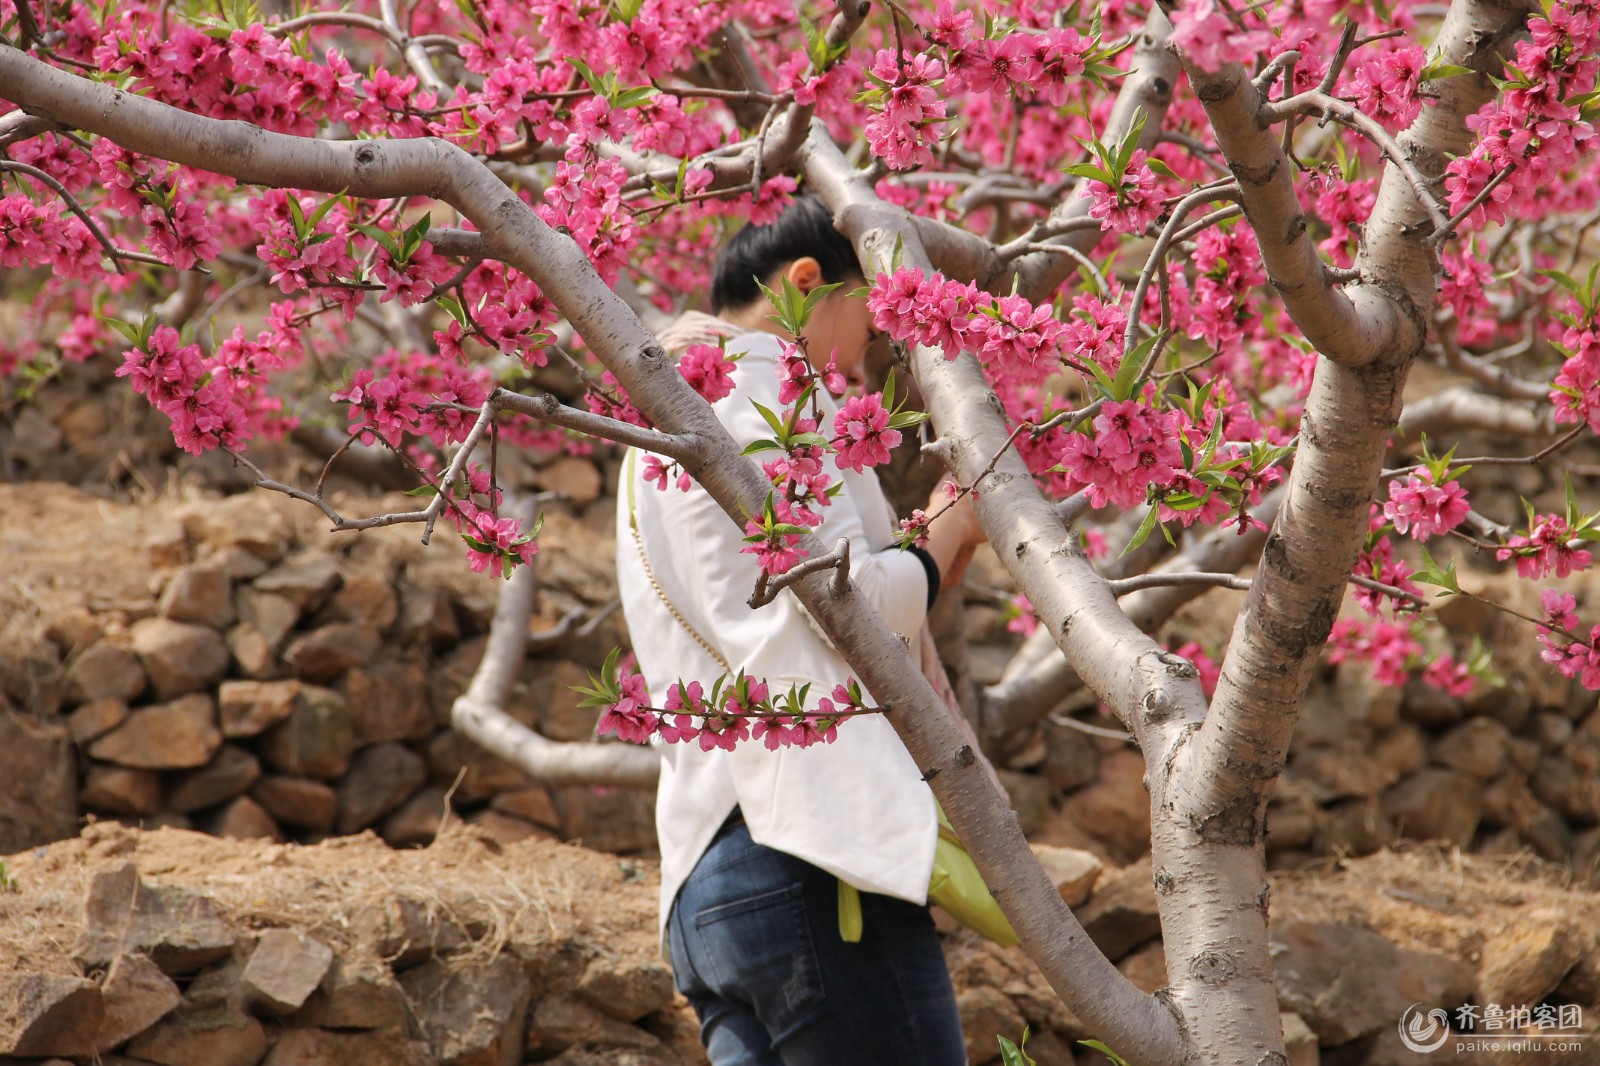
(757, 252)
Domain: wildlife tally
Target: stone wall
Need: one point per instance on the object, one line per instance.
(270, 679)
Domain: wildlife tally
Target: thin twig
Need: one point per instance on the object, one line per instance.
(768, 586)
(1158, 579)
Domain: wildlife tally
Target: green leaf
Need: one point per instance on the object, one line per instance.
(1011, 1055)
(587, 74)
(1089, 170)
(1146, 527)
(761, 446)
(423, 490)
(635, 96)
(322, 210)
(377, 236)
(1116, 1060)
(906, 419)
(1433, 574)
(1161, 168)
(1438, 70)
(772, 420)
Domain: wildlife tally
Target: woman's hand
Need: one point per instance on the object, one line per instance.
(953, 535)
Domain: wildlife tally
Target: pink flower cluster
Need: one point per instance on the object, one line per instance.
(708, 370)
(1134, 446)
(1531, 126)
(1419, 507)
(1385, 82)
(1576, 388)
(1546, 549)
(1206, 35)
(734, 711)
(1574, 658)
(862, 434)
(1012, 334)
(46, 234)
(903, 133)
(1023, 61)
(1131, 207)
(1394, 654)
(414, 394)
(181, 383)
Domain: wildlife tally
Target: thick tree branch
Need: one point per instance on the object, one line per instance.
(479, 713)
(1349, 329)
(1035, 686)
(1348, 418)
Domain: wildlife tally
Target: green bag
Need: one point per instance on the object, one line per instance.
(955, 885)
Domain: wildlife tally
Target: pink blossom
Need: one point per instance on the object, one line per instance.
(708, 370)
(1423, 509)
(862, 433)
(630, 717)
(1546, 549)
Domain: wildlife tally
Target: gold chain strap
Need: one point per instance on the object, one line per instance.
(649, 572)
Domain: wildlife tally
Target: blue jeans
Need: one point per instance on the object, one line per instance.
(755, 947)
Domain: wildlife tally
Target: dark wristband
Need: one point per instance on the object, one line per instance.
(933, 573)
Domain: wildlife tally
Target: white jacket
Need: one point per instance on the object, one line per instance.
(858, 807)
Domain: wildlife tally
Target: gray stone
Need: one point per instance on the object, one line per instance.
(39, 790)
(418, 821)
(169, 736)
(627, 989)
(237, 562)
(1569, 780)
(316, 740)
(1347, 983)
(366, 599)
(247, 708)
(1435, 804)
(179, 930)
(284, 969)
(1477, 747)
(388, 700)
(1359, 827)
(221, 1035)
(321, 1047)
(1527, 960)
(179, 657)
(48, 1014)
(1122, 914)
(327, 653)
(252, 655)
(1073, 872)
(201, 594)
(270, 615)
(561, 1022)
(356, 993)
(305, 580)
(243, 819)
(120, 790)
(228, 774)
(96, 719)
(1072, 760)
(449, 753)
(471, 1015)
(379, 780)
(427, 617)
(1299, 1042)
(298, 801)
(1552, 730)
(137, 995)
(105, 671)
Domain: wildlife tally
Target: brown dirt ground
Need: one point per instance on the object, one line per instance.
(530, 893)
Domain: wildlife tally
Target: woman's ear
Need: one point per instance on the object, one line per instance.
(804, 273)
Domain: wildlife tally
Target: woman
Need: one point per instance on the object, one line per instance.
(756, 844)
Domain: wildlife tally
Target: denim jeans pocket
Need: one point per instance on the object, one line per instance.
(761, 952)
